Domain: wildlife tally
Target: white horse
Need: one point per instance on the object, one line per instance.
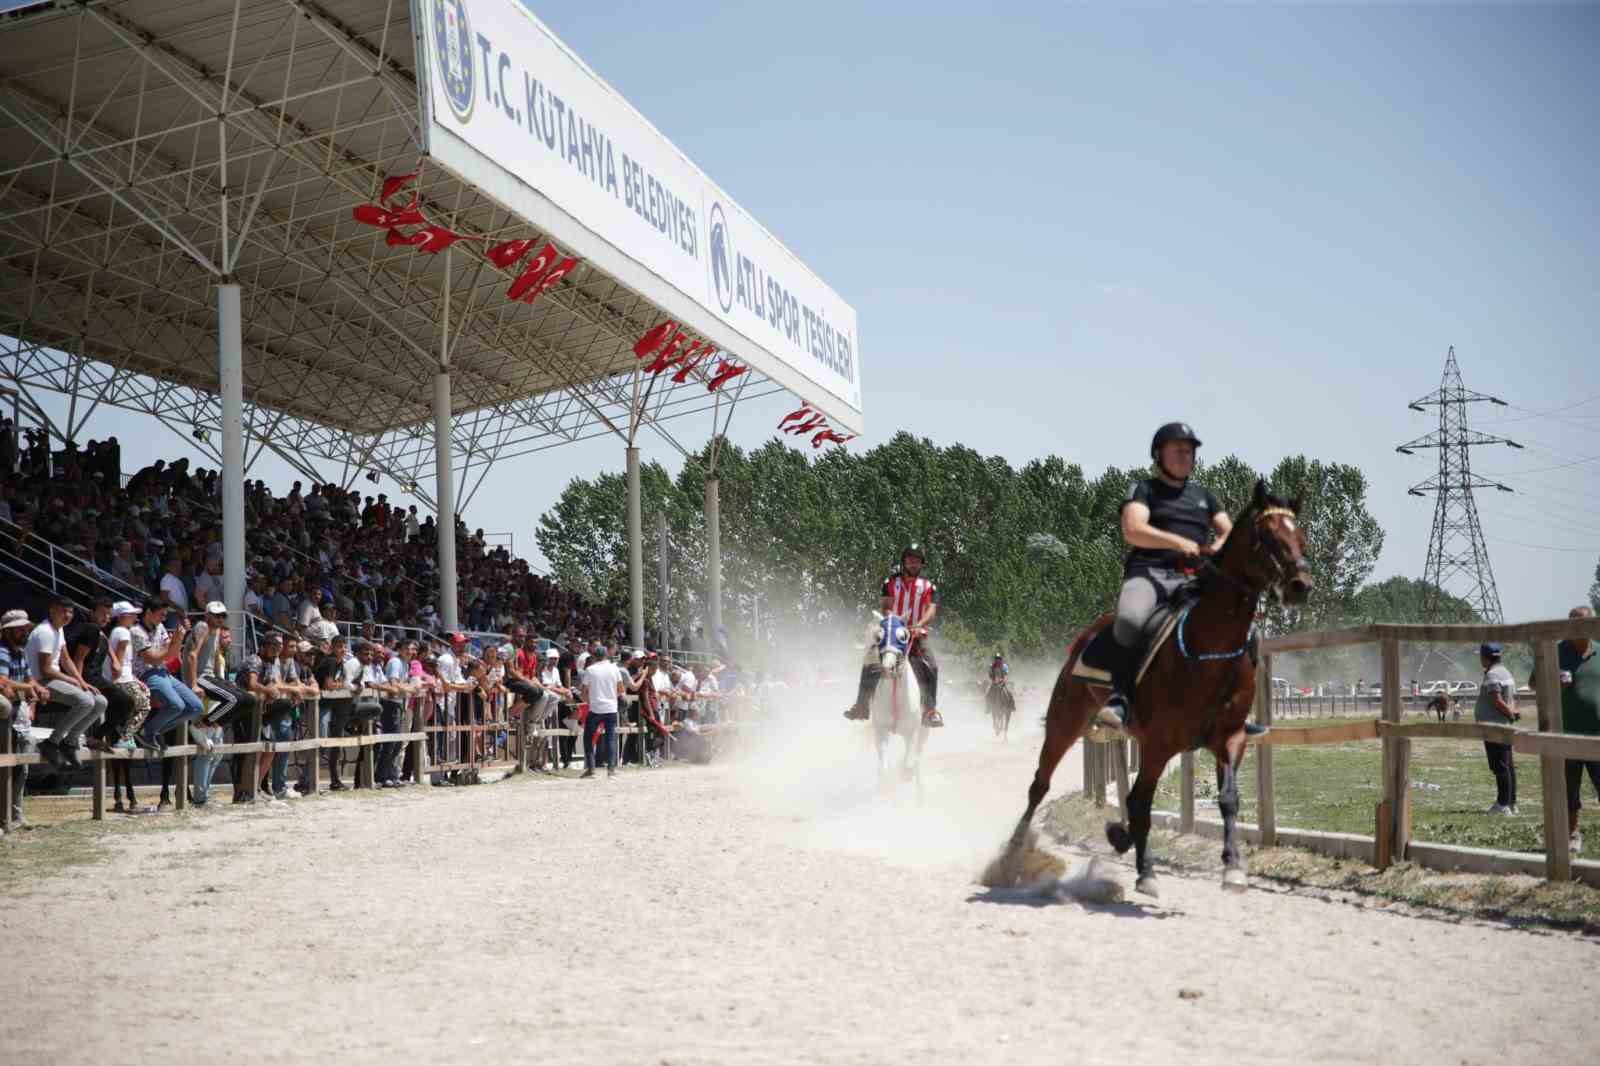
(896, 705)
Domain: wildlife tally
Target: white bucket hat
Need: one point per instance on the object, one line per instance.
(122, 607)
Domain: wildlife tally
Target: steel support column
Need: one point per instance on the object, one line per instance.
(713, 560)
(443, 475)
(445, 493)
(635, 554)
(230, 381)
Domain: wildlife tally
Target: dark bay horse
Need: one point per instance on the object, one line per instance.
(1197, 692)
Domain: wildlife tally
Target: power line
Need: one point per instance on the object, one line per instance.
(1547, 547)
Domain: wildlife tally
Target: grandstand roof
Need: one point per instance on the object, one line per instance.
(152, 148)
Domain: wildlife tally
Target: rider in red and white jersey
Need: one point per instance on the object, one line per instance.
(909, 596)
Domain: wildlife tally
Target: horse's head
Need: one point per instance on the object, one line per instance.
(892, 641)
(1275, 546)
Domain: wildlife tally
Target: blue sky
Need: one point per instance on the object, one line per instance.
(1063, 224)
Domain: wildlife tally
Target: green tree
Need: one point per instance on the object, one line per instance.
(1594, 589)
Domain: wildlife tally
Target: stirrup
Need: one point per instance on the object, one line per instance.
(856, 713)
(932, 719)
(1251, 729)
(1114, 714)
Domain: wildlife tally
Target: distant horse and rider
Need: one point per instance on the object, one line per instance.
(1176, 665)
(894, 703)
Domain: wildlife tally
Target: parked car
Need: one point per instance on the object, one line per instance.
(1433, 688)
(1462, 689)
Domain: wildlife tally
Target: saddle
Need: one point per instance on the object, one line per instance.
(1094, 664)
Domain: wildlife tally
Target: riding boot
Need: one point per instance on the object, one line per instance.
(868, 685)
(1118, 710)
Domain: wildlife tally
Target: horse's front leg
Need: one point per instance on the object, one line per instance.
(1228, 759)
(1137, 830)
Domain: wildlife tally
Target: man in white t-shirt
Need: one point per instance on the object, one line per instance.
(603, 684)
(173, 589)
(83, 703)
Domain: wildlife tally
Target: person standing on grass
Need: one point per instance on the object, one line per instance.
(1580, 715)
(1497, 705)
(604, 683)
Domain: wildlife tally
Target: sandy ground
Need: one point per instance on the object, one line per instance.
(778, 908)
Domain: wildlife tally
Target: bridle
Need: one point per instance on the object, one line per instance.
(1283, 572)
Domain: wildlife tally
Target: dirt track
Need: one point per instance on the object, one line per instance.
(778, 909)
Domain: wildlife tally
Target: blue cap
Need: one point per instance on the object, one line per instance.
(1490, 649)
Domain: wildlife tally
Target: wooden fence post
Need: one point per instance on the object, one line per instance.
(1186, 792)
(1396, 826)
(1266, 813)
(7, 747)
(181, 779)
(1119, 758)
(1552, 768)
(1087, 746)
(313, 731)
(99, 778)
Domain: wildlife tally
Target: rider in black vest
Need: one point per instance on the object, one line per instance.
(1166, 519)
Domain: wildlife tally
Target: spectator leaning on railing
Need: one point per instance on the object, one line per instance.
(83, 703)
(173, 702)
(19, 694)
(117, 673)
(1580, 715)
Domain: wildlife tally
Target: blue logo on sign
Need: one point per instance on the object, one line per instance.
(721, 268)
(452, 46)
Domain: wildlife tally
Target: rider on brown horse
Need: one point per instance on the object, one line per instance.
(1166, 520)
(912, 597)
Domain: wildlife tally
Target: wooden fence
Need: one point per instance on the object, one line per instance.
(1107, 758)
(462, 755)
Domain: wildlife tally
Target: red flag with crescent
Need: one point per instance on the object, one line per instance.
(552, 278)
(798, 413)
(430, 240)
(653, 338)
(505, 254)
(726, 372)
(383, 218)
(533, 271)
(394, 183)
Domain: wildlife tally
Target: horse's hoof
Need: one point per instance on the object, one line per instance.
(1118, 837)
(1146, 886)
(1234, 880)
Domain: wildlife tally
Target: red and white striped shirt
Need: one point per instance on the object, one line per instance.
(910, 597)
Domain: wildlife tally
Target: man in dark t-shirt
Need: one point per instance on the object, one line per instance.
(86, 646)
(1166, 520)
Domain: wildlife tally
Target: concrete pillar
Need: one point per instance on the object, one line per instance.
(230, 381)
(635, 555)
(663, 583)
(445, 495)
(713, 560)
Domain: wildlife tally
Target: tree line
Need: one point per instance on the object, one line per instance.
(807, 540)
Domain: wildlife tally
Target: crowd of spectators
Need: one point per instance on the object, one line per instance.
(150, 665)
(326, 552)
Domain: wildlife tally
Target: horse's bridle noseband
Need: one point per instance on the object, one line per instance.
(1284, 571)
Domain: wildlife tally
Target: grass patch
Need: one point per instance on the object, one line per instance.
(1336, 788)
(1514, 899)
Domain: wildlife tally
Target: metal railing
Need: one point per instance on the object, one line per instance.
(35, 560)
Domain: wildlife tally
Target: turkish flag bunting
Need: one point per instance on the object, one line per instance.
(798, 413)
(800, 429)
(667, 356)
(373, 215)
(551, 278)
(393, 185)
(689, 360)
(830, 435)
(653, 338)
(506, 253)
(726, 372)
(532, 272)
(430, 240)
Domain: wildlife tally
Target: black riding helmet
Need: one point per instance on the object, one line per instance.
(913, 549)
(1170, 432)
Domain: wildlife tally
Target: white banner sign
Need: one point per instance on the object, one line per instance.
(503, 86)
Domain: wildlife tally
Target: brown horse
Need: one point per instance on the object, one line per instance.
(1197, 691)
